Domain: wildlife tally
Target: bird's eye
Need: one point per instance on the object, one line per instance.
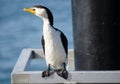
(33, 9)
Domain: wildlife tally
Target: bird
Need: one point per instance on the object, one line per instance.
(54, 43)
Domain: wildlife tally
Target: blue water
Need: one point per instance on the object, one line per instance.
(19, 29)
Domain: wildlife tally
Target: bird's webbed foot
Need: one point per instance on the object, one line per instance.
(47, 73)
(62, 72)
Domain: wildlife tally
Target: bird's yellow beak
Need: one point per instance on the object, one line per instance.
(29, 10)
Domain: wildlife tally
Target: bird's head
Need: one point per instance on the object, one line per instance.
(41, 11)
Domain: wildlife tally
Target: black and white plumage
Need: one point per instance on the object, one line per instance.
(54, 42)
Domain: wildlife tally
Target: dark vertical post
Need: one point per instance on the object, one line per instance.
(96, 32)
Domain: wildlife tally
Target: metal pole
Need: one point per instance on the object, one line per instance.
(96, 32)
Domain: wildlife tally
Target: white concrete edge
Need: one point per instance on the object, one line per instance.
(21, 76)
(22, 60)
(74, 77)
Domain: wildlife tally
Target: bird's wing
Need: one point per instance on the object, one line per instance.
(64, 42)
(43, 43)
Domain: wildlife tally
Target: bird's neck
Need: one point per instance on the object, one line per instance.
(46, 25)
(46, 21)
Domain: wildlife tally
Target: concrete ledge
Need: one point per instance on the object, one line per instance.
(19, 75)
(74, 77)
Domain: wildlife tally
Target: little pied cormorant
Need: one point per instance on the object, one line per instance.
(54, 42)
